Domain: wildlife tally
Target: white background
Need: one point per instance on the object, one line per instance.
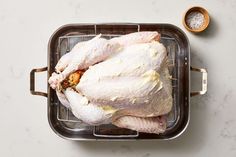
(25, 28)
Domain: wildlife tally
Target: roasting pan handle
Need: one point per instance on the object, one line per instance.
(32, 81)
(204, 81)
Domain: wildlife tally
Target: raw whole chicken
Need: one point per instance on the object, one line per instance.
(124, 81)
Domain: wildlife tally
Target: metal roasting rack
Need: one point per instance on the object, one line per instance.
(66, 43)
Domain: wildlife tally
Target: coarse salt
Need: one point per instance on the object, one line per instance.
(195, 20)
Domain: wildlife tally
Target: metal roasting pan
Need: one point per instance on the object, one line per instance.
(62, 121)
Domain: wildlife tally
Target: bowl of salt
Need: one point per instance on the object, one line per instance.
(196, 19)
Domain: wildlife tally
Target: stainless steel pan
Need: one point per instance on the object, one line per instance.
(69, 127)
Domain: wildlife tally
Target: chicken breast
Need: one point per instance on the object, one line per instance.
(131, 78)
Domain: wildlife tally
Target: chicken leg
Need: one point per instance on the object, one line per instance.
(90, 53)
(85, 111)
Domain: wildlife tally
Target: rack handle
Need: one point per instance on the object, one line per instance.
(32, 81)
(204, 81)
(97, 133)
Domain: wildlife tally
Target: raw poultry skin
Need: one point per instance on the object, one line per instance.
(129, 86)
